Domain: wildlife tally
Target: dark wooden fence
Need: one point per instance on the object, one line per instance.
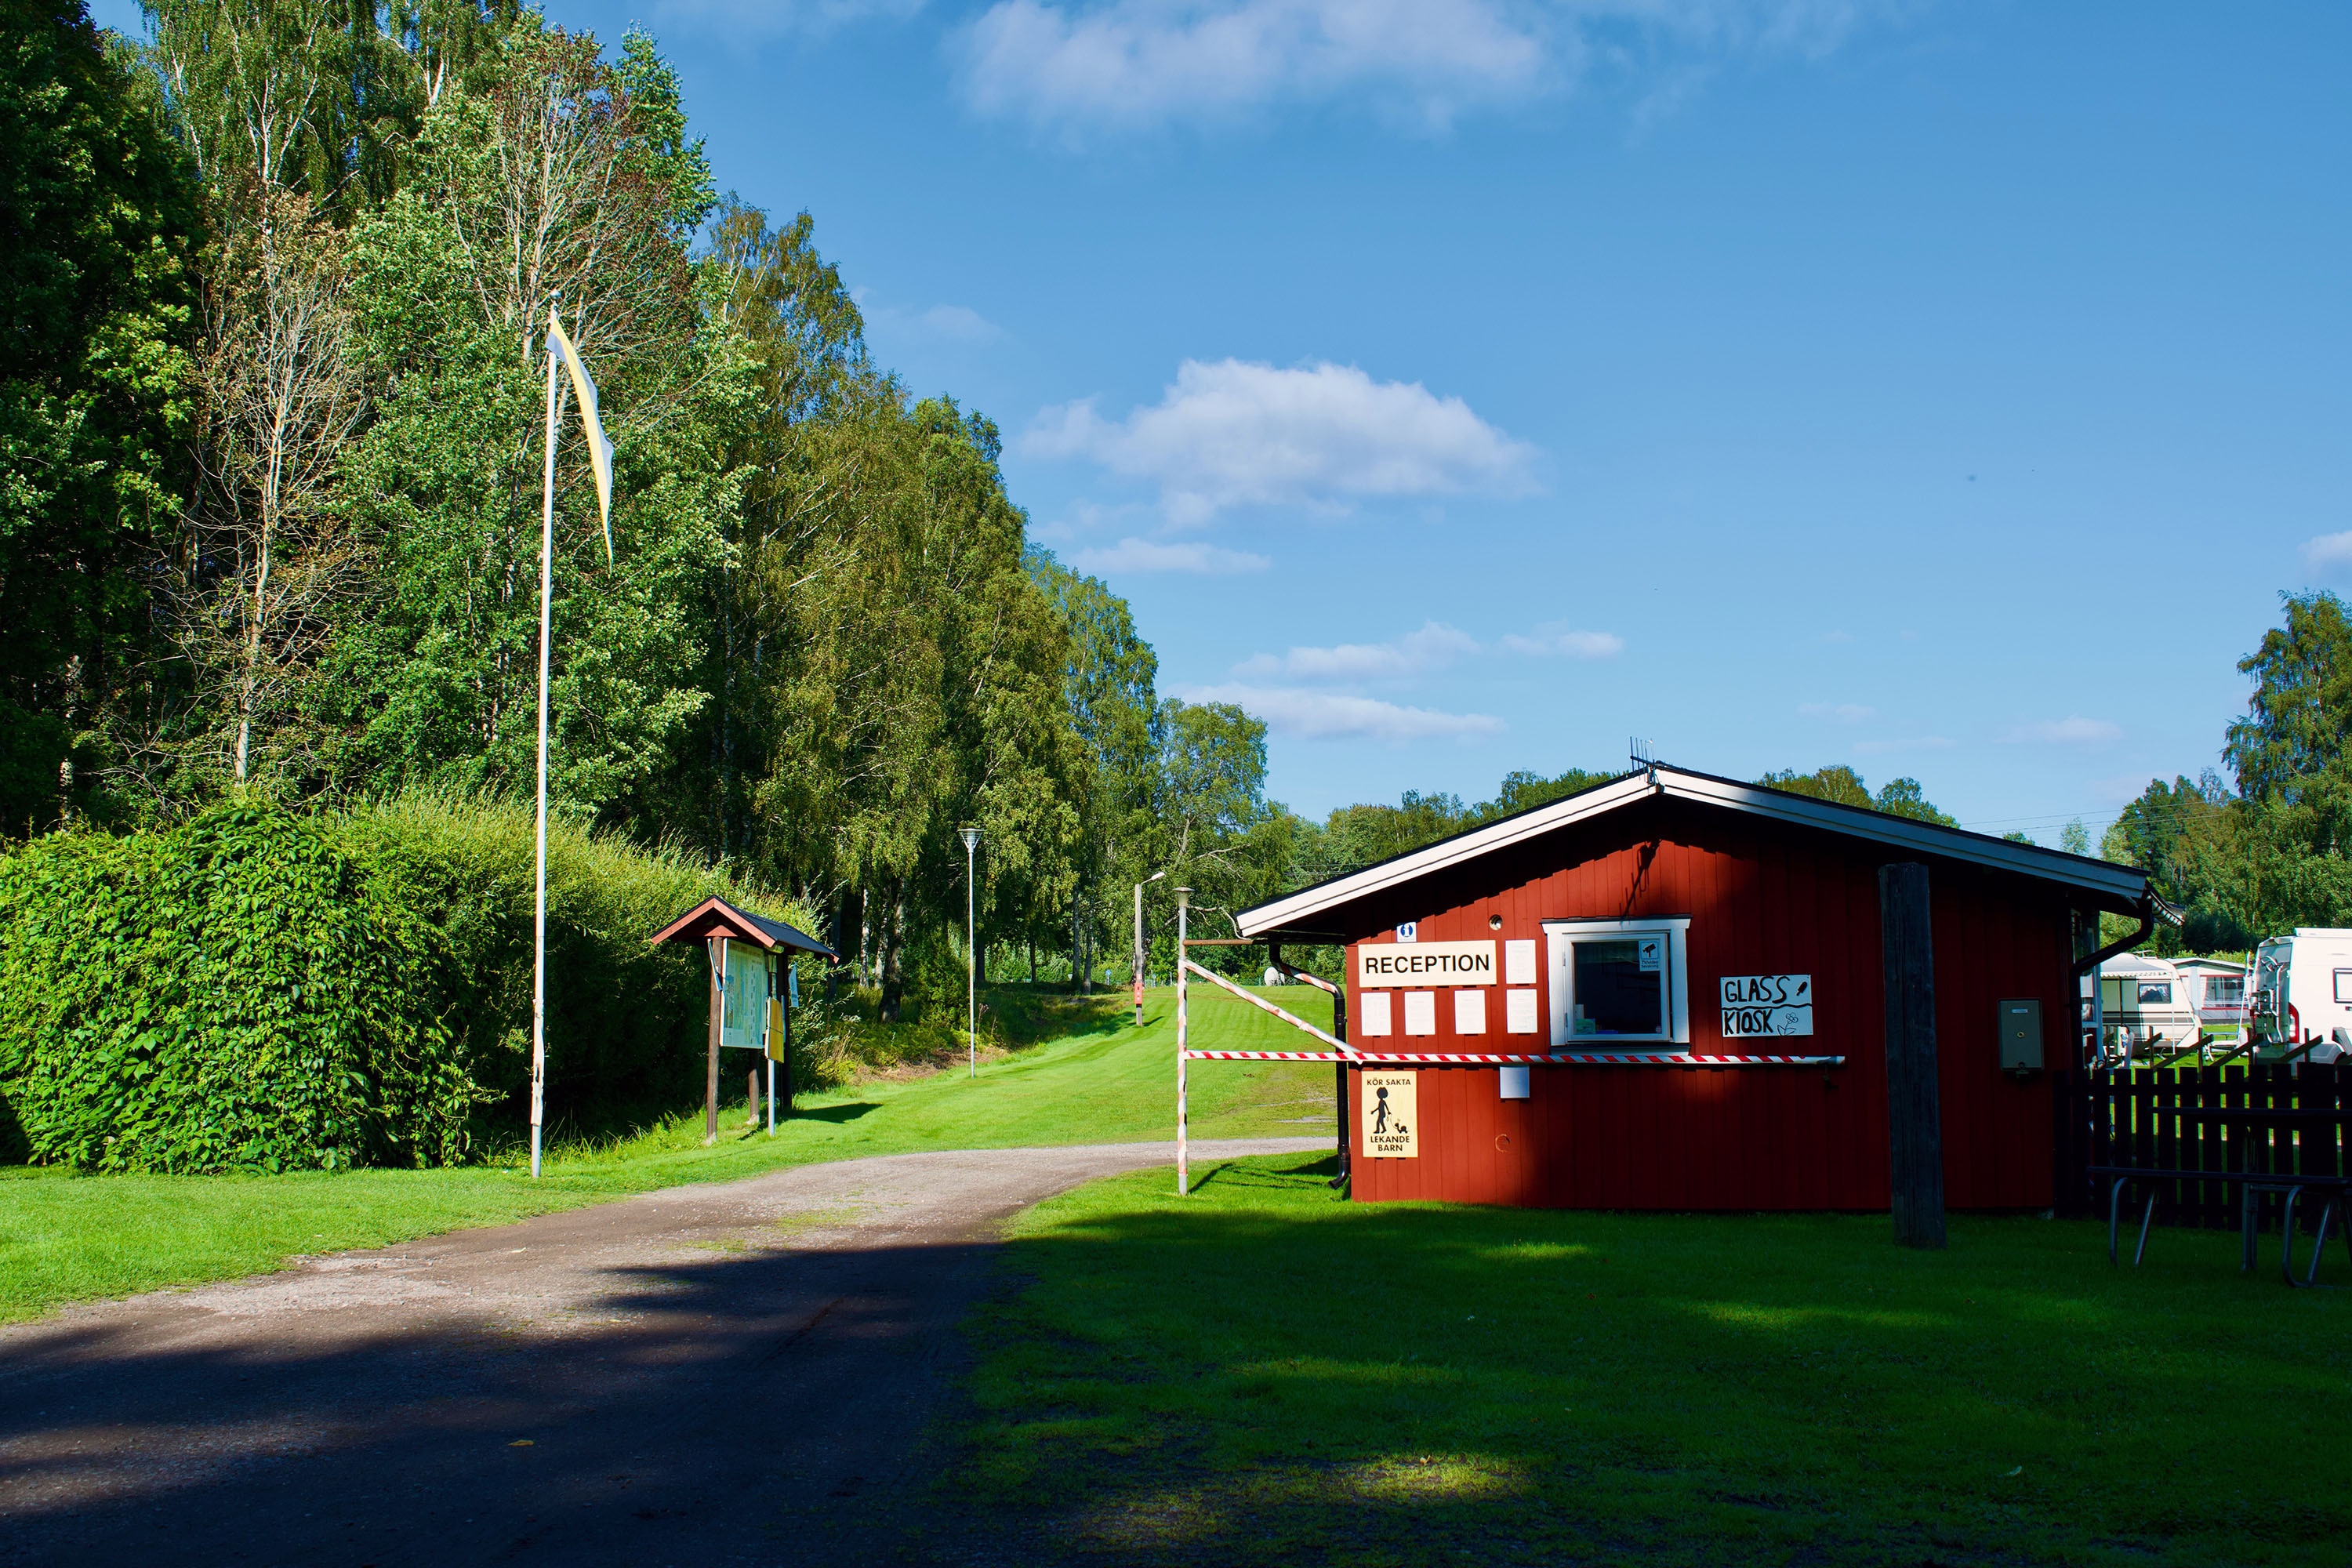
(2295, 1120)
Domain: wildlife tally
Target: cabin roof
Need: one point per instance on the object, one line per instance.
(2104, 884)
(717, 917)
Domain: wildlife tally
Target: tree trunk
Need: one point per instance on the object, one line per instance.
(894, 981)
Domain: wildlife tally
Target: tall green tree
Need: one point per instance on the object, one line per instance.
(1841, 786)
(99, 224)
(316, 98)
(2294, 725)
(561, 180)
(1111, 689)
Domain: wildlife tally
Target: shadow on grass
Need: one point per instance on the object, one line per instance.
(1258, 1373)
(836, 1115)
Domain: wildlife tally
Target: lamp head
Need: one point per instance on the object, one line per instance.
(1155, 876)
(971, 837)
(1183, 897)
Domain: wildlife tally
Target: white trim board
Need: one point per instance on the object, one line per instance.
(2098, 877)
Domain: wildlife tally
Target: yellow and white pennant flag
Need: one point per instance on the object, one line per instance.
(600, 449)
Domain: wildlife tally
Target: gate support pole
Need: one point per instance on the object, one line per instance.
(1914, 1116)
(1184, 1031)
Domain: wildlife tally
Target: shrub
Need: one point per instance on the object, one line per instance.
(627, 1023)
(232, 994)
(257, 990)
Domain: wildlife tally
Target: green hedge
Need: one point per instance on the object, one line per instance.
(230, 993)
(259, 990)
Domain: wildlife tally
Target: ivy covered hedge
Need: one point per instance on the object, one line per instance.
(259, 990)
(231, 994)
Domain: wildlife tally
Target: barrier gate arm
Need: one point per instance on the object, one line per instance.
(1262, 1006)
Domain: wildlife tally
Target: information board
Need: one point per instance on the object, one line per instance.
(1756, 1006)
(1385, 1106)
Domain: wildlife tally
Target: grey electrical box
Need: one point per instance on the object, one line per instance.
(2020, 1035)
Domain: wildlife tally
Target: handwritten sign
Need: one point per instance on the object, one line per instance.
(1762, 1005)
(1390, 1122)
(1424, 963)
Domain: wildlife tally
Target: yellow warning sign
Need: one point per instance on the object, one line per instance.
(1391, 1124)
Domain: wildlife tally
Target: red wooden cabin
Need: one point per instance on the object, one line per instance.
(1659, 941)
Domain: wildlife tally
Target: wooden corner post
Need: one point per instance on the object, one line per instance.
(717, 946)
(1915, 1131)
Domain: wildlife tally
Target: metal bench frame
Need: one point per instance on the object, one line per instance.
(2250, 1183)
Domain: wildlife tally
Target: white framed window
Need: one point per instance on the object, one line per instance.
(2344, 985)
(1619, 982)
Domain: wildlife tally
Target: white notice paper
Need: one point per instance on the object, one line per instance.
(1762, 1005)
(1521, 1012)
(1376, 1012)
(1469, 1011)
(1519, 962)
(1421, 1011)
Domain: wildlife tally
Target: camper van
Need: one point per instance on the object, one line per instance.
(2303, 991)
(2142, 1003)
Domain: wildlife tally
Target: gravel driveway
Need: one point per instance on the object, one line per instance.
(705, 1376)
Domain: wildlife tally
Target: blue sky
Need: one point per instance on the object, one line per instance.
(1464, 386)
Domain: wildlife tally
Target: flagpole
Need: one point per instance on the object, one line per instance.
(539, 909)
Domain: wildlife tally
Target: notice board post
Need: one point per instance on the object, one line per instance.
(714, 922)
(1915, 1129)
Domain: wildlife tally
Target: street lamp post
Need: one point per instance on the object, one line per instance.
(971, 954)
(1138, 944)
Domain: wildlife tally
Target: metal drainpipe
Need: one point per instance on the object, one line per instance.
(2089, 965)
(1338, 1069)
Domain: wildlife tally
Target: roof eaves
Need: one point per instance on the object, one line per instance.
(2123, 882)
(1925, 838)
(1430, 857)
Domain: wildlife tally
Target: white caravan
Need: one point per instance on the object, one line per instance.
(2303, 992)
(2216, 989)
(2142, 1003)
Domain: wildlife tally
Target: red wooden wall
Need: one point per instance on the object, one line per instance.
(1764, 898)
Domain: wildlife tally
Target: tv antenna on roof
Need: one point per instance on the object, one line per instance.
(1643, 758)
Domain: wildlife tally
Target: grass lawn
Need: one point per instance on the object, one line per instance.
(66, 1238)
(1264, 1373)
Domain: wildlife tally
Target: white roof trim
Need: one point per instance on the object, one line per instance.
(1899, 832)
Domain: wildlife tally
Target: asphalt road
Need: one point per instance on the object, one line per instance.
(736, 1374)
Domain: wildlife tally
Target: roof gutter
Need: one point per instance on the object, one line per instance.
(2158, 906)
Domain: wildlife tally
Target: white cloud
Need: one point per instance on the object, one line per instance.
(1137, 63)
(1435, 646)
(1237, 433)
(1330, 716)
(940, 323)
(1557, 637)
(2330, 552)
(2077, 731)
(1912, 744)
(773, 19)
(1146, 556)
(1126, 65)
(1842, 713)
